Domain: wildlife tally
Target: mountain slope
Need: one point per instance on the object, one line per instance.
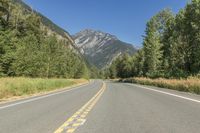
(53, 28)
(39, 47)
(100, 48)
(63, 34)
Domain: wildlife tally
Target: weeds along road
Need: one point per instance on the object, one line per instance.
(104, 107)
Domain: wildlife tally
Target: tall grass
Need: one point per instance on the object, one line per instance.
(188, 85)
(10, 87)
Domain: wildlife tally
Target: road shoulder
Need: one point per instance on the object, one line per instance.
(20, 98)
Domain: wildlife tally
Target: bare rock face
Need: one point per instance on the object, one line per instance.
(101, 48)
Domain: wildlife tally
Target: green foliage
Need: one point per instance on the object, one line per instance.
(138, 63)
(28, 48)
(185, 48)
(7, 54)
(171, 47)
(121, 67)
(4, 13)
(26, 57)
(155, 45)
(47, 22)
(124, 66)
(94, 73)
(113, 70)
(191, 30)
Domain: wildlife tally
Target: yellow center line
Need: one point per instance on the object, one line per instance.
(78, 118)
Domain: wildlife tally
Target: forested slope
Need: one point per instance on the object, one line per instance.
(47, 22)
(31, 45)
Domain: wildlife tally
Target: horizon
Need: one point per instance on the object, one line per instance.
(127, 25)
(95, 81)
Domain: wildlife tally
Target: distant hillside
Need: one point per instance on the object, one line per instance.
(47, 22)
(100, 48)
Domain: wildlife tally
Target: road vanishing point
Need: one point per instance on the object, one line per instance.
(104, 107)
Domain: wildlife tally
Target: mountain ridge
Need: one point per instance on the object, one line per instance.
(101, 48)
(47, 22)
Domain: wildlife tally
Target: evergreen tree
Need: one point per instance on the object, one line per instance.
(152, 47)
(156, 46)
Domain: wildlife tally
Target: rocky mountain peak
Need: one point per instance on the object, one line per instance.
(101, 48)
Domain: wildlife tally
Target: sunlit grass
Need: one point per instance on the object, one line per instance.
(10, 87)
(187, 85)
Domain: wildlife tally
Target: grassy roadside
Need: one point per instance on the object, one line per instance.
(188, 85)
(14, 87)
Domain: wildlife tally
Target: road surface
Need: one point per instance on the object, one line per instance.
(104, 108)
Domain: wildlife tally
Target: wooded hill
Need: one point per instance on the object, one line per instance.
(47, 22)
(31, 45)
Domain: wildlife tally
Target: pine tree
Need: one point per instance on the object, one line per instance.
(152, 48)
(156, 46)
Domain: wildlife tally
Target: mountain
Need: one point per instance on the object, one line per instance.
(39, 47)
(52, 27)
(100, 48)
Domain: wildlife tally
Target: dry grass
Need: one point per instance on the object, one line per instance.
(78, 81)
(11, 87)
(188, 85)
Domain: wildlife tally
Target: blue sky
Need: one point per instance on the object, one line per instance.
(124, 18)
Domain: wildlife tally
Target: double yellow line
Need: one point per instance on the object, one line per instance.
(79, 117)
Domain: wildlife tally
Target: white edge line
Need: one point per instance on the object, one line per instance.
(167, 93)
(41, 97)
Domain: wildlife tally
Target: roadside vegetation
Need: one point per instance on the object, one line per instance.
(171, 51)
(29, 48)
(188, 85)
(13, 87)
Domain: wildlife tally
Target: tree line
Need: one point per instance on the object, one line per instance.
(171, 47)
(28, 49)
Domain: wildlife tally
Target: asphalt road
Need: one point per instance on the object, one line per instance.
(117, 108)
